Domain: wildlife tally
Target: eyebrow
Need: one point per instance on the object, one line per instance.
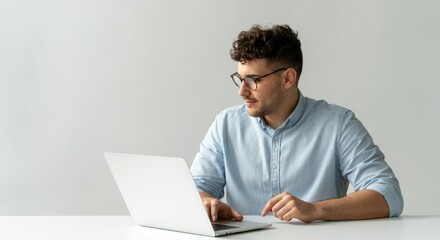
(250, 75)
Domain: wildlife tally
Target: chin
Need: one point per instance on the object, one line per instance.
(253, 113)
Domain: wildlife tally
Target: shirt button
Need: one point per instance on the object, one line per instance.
(275, 138)
(274, 167)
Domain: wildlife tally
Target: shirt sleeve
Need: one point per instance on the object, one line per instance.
(363, 164)
(208, 165)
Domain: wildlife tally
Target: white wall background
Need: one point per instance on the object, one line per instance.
(80, 77)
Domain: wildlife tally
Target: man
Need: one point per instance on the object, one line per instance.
(286, 154)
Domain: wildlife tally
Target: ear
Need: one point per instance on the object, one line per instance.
(289, 78)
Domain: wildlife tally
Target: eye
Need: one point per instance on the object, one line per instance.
(250, 78)
(253, 77)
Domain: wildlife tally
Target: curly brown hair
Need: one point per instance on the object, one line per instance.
(279, 45)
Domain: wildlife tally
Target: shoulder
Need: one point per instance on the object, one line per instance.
(327, 115)
(231, 120)
(234, 113)
(325, 109)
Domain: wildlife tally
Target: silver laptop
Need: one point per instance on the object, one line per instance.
(160, 192)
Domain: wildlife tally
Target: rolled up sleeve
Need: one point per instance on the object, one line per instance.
(364, 165)
(208, 165)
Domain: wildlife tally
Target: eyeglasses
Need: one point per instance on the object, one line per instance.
(250, 81)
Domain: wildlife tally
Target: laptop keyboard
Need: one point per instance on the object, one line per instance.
(218, 227)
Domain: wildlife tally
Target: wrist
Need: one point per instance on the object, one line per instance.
(320, 211)
(205, 195)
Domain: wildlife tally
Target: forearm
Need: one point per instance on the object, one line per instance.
(364, 204)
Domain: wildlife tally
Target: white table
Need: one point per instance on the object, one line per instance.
(122, 227)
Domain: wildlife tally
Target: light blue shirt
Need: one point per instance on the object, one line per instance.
(314, 155)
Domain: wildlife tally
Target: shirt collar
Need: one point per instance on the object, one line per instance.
(297, 113)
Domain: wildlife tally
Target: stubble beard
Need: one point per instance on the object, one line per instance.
(268, 107)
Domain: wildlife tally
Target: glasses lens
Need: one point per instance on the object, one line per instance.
(250, 83)
(236, 80)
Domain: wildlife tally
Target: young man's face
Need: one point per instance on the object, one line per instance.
(269, 95)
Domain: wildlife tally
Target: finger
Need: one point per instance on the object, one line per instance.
(289, 215)
(284, 212)
(270, 204)
(266, 209)
(207, 208)
(214, 211)
(282, 207)
(236, 215)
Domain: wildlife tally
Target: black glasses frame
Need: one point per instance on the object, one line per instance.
(251, 81)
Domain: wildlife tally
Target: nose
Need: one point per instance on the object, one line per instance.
(243, 90)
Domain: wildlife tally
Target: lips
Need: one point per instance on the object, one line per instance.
(249, 102)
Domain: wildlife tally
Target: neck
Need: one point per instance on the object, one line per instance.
(286, 108)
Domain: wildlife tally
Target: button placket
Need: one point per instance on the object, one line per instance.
(275, 165)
